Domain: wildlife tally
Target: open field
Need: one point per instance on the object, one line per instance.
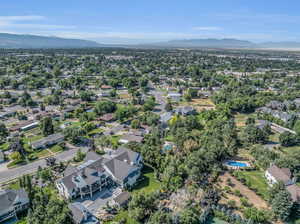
(253, 198)
(200, 104)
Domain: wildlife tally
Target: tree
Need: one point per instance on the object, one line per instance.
(256, 215)
(254, 135)
(48, 209)
(135, 124)
(142, 205)
(281, 202)
(160, 217)
(104, 107)
(17, 146)
(189, 216)
(168, 106)
(297, 127)
(47, 126)
(3, 131)
(287, 139)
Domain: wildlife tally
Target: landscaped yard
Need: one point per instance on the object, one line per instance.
(148, 184)
(257, 181)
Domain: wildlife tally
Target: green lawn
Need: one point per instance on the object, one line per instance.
(56, 148)
(4, 146)
(42, 153)
(148, 184)
(95, 131)
(257, 181)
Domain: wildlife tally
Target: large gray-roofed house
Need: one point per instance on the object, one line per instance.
(122, 167)
(12, 202)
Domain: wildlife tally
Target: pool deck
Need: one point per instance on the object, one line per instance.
(247, 164)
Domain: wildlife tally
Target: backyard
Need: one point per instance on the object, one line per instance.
(147, 184)
(256, 181)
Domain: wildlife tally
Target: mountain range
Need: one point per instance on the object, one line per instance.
(35, 41)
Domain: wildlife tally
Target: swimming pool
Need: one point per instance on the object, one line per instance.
(237, 164)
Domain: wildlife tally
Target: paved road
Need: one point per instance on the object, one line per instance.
(14, 173)
(160, 99)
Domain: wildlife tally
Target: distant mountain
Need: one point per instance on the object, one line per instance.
(207, 43)
(34, 41)
(285, 44)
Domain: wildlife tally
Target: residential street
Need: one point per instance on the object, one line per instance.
(10, 174)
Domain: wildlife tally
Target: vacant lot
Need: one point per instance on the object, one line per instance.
(200, 104)
(253, 198)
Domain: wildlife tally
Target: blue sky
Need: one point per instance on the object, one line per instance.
(144, 21)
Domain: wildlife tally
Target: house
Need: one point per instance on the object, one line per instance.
(294, 191)
(121, 167)
(174, 96)
(81, 215)
(165, 117)
(10, 111)
(122, 199)
(104, 94)
(48, 141)
(184, 110)
(12, 202)
(106, 87)
(107, 117)
(274, 175)
(131, 138)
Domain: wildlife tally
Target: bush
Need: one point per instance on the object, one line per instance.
(32, 157)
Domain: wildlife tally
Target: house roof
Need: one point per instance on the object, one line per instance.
(122, 198)
(107, 117)
(119, 169)
(132, 138)
(294, 190)
(119, 165)
(9, 197)
(280, 174)
(81, 214)
(43, 141)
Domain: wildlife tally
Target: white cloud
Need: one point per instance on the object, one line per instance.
(17, 22)
(21, 18)
(207, 28)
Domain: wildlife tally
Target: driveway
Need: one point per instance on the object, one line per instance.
(10, 174)
(99, 199)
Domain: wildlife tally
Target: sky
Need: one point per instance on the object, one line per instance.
(148, 21)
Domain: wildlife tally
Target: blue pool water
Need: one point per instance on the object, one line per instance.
(239, 164)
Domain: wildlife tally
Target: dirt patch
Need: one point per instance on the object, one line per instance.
(253, 198)
(201, 104)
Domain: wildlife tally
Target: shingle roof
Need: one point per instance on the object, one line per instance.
(122, 198)
(8, 198)
(294, 190)
(280, 174)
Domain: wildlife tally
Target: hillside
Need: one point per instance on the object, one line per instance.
(34, 41)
